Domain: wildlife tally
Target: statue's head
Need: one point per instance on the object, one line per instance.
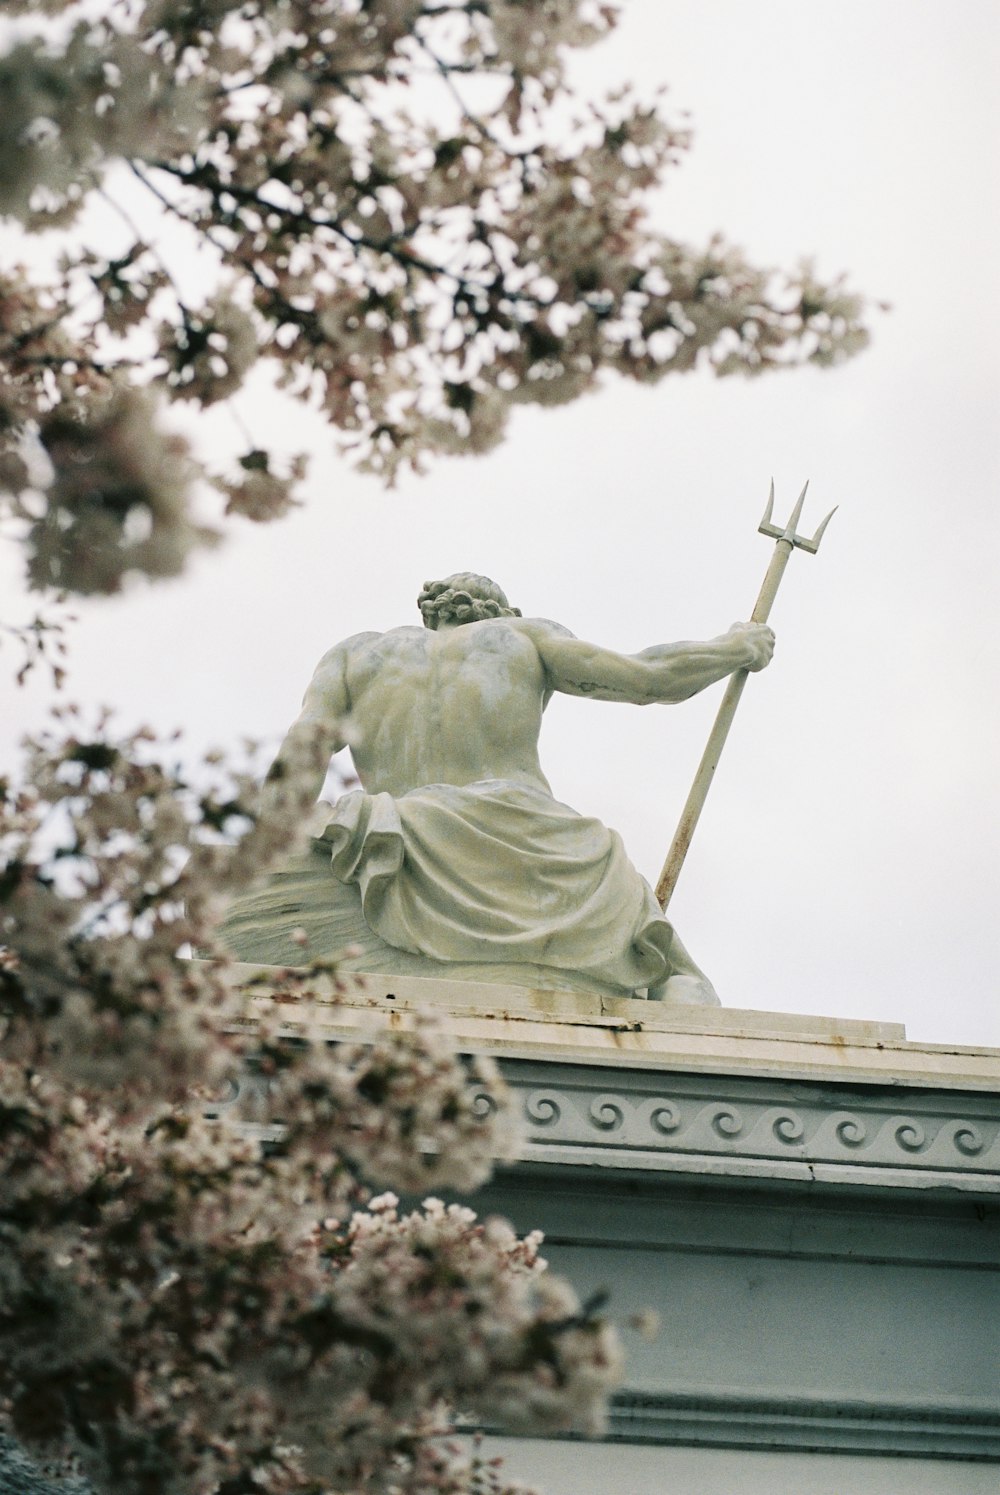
(463, 598)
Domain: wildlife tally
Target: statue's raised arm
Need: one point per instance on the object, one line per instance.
(663, 673)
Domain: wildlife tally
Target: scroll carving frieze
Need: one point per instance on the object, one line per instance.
(573, 1114)
(709, 1116)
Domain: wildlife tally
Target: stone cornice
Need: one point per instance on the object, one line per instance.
(739, 1127)
(716, 1093)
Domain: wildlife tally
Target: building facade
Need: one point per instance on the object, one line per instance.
(810, 1207)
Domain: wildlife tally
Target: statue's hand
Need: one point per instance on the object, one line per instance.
(758, 641)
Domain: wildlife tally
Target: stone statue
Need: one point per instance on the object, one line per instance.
(454, 859)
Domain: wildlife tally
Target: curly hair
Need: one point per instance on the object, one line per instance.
(463, 598)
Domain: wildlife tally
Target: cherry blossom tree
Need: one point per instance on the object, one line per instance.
(204, 1298)
(401, 210)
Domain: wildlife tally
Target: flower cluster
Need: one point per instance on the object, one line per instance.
(98, 489)
(395, 215)
(258, 493)
(205, 1297)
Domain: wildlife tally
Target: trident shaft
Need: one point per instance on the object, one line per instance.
(788, 541)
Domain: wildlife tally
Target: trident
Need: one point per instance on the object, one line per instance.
(787, 540)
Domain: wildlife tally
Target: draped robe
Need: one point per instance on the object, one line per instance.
(489, 881)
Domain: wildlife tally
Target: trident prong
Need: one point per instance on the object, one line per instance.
(788, 540)
(788, 533)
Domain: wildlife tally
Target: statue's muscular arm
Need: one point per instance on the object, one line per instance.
(318, 730)
(664, 673)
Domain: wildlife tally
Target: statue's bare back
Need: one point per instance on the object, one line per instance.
(463, 703)
(450, 707)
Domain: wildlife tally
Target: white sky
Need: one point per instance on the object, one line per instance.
(847, 861)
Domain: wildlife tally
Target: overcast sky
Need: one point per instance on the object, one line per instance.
(847, 861)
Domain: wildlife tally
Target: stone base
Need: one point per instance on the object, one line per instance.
(810, 1205)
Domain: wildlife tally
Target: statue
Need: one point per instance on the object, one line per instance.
(454, 859)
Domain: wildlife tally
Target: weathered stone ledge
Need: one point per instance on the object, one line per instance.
(708, 1094)
(517, 1022)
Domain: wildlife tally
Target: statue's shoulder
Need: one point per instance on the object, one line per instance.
(363, 650)
(541, 627)
(346, 649)
(359, 640)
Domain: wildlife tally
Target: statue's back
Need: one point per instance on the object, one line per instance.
(449, 707)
